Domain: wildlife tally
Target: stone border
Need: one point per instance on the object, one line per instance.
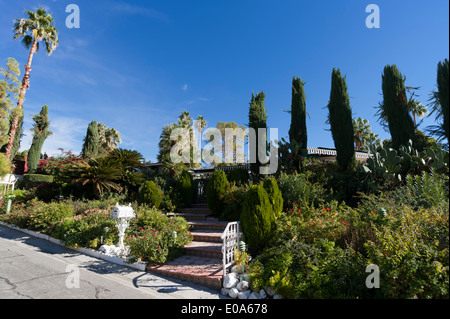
(87, 251)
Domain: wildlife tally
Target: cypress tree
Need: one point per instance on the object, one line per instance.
(340, 119)
(41, 132)
(257, 118)
(395, 107)
(91, 141)
(442, 83)
(297, 133)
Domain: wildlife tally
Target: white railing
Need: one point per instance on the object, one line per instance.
(7, 183)
(230, 239)
(329, 152)
(230, 168)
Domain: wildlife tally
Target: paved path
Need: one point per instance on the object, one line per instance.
(38, 269)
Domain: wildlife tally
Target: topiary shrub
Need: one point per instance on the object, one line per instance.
(185, 188)
(218, 185)
(275, 196)
(257, 218)
(149, 194)
(37, 178)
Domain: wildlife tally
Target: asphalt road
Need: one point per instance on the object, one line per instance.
(32, 268)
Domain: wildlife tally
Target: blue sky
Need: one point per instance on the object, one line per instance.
(136, 65)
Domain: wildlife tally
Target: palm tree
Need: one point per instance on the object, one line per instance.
(97, 173)
(364, 137)
(39, 27)
(417, 109)
(362, 129)
(200, 125)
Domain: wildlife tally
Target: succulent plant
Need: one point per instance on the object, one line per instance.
(387, 163)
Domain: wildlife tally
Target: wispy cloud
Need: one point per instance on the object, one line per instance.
(68, 133)
(184, 87)
(126, 8)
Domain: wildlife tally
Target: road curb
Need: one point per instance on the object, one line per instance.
(90, 252)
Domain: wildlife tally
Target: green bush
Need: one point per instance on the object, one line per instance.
(218, 185)
(151, 236)
(149, 194)
(275, 196)
(238, 176)
(233, 200)
(412, 254)
(257, 218)
(87, 229)
(33, 180)
(5, 165)
(296, 188)
(39, 216)
(185, 188)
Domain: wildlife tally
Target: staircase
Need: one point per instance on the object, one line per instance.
(201, 262)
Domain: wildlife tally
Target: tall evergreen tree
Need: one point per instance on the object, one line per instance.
(340, 119)
(298, 133)
(395, 107)
(91, 141)
(443, 83)
(41, 132)
(257, 118)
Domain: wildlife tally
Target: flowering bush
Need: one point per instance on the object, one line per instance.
(148, 245)
(57, 166)
(233, 200)
(155, 237)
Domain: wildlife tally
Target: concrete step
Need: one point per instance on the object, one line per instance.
(207, 235)
(192, 217)
(204, 249)
(193, 210)
(200, 205)
(210, 224)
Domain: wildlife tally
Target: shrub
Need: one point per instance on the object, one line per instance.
(185, 188)
(33, 179)
(5, 165)
(233, 200)
(257, 218)
(412, 254)
(218, 185)
(151, 236)
(275, 197)
(87, 229)
(296, 188)
(238, 176)
(149, 194)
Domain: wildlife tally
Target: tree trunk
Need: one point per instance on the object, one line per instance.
(23, 90)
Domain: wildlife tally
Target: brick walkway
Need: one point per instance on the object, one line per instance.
(201, 262)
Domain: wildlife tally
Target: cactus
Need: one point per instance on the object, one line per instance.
(387, 163)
